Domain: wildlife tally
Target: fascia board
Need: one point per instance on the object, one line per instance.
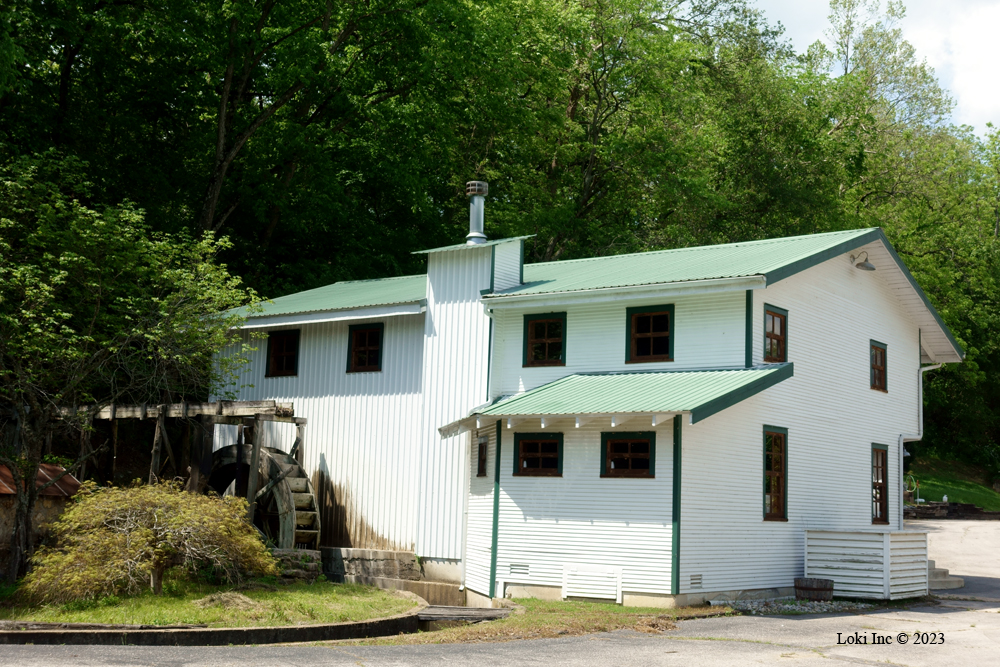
(605, 294)
(469, 423)
(320, 317)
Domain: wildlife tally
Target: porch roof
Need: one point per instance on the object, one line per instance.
(699, 393)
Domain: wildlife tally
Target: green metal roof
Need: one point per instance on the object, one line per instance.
(773, 258)
(701, 393)
(350, 294)
(469, 246)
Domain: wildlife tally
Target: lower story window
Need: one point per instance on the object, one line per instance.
(628, 454)
(880, 496)
(775, 473)
(484, 445)
(538, 455)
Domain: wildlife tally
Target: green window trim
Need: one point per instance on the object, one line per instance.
(534, 317)
(634, 435)
(884, 448)
(629, 312)
(784, 473)
(381, 344)
(518, 437)
(885, 368)
(783, 313)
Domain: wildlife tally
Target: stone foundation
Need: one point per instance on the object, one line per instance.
(298, 564)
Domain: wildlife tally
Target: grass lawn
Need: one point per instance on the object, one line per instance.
(960, 482)
(222, 606)
(540, 619)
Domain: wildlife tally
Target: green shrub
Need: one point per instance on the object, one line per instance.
(115, 541)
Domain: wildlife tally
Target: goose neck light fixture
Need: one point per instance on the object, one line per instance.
(863, 265)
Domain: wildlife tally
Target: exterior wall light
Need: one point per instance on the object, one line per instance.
(863, 265)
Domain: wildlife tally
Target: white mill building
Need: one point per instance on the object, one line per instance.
(656, 428)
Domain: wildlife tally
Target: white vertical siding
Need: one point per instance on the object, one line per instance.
(832, 417)
(547, 523)
(363, 437)
(506, 265)
(709, 332)
(456, 353)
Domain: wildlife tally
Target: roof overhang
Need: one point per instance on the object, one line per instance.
(618, 397)
(318, 317)
(604, 294)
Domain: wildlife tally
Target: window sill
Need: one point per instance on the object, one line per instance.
(648, 361)
(775, 519)
(880, 523)
(775, 361)
(884, 391)
(561, 363)
(373, 370)
(628, 476)
(282, 375)
(521, 474)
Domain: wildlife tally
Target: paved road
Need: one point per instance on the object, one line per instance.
(970, 549)
(971, 632)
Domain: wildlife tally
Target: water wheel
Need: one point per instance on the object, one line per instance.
(287, 512)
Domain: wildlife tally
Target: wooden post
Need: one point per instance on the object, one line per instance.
(166, 441)
(154, 464)
(114, 442)
(300, 440)
(258, 436)
(204, 460)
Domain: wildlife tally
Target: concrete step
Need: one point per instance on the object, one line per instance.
(435, 593)
(945, 584)
(938, 573)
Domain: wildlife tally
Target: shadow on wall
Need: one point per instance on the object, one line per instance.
(342, 524)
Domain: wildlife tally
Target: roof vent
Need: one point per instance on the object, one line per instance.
(476, 190)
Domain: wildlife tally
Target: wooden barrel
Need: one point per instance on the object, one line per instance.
(814, 589)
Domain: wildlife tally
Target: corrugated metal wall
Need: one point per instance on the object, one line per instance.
(479, 528)
(709, 333)
(363, 440)
(547, 523)
(832, 417)
(456, 356)
(507, 265)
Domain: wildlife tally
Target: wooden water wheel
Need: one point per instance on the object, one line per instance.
(287, 512)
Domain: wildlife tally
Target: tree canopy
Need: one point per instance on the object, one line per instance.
(327, 141)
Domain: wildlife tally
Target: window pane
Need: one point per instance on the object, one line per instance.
(555, 351)
(619, 464)
(640, 448)
(661, 345)
(539, 329)
(373, 357)
(769, 323)
(531, 462)
(550, 447)
(642, 347)
(642, 324)
(619, 448)
(550, 463)
(777, 325)
(530, 447)
(555, 329)
(538, 352)
(661, 323)
(640, 464)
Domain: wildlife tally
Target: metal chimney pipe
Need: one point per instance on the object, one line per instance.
(476, 190)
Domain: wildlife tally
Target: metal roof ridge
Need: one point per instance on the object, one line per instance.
(844, 232)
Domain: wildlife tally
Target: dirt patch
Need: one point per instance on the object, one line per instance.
(228, 600)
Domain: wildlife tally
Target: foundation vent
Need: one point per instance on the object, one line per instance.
(696, 581)
(519, 569)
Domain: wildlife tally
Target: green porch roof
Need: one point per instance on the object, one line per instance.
(773, 258)
(350, 294)
(701, 393)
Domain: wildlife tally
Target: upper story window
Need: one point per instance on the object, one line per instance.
(628, 454)
(538, 454)
(282, 353)
(545, 339)
(878, 366)
(775, 334)
(775, 473)
(650, 334)
(364, 348)
(880, 495)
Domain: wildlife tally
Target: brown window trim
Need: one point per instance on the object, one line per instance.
(282, 346)
(529, 339)
(879, 374)
(521, 439)
(781, 475)
(353, 349)
(607, 442)
(631, 352)
(483, 453)
(880, 489)
(782, 315)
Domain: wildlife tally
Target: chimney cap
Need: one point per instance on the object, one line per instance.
(477, 188)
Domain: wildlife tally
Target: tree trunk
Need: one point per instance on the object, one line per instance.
(156, 577)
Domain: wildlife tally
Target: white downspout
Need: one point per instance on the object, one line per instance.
(911, 437)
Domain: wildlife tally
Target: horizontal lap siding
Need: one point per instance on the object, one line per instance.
(832, 417)
(479, 529)
(363, 433)
(709, 332)
(908, 565)
(547, 523)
